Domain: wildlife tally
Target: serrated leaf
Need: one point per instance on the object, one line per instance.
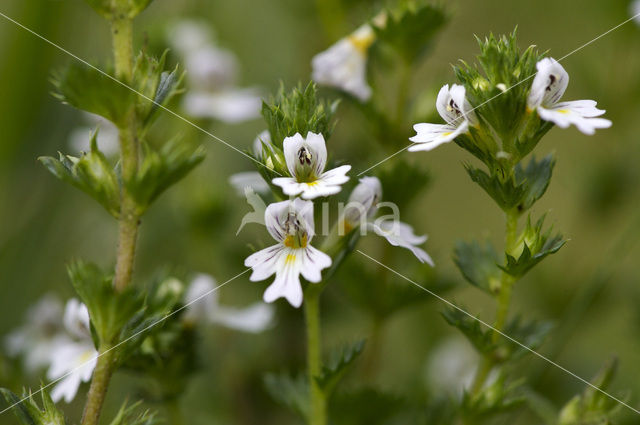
(29, 413)
(334, 370)
(86, 88)
(479, 265)
(90, 173)
(109, 311)
(298, 111)
(290, 392)
(411, 30)
(130, 415)
(499, 397)
(531, 334)
(534, 245)
(160, 169)
(472, 329)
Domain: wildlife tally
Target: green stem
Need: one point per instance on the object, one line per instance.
(318, 413)
(121, 30)
(98, 389)
(504, 302)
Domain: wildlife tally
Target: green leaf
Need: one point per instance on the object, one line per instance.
(475, 332)
(129, 415)
(29, 413)
(479, 265)
(160, 169)
(533, 246)
(338, 365)
(497, 398)
(531, 334)
(86, 88)
(298, 111)
(292, 392)
(110, 311)
(535, 179)
(411, 30)
(593, 407)
(90, 173)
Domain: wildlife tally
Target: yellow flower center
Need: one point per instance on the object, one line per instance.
(362, 43)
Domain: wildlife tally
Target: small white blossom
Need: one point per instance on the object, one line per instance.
(344, 65)
(107, 139)
(253, 179)
(204, 306)
(306, 159)
(454, 108)
(548, 87)
(229, 105)
(210, 68)
(362, 206)
(189, 36)
(451, 367)
(41, 332)
(290, 223)
(74, 358)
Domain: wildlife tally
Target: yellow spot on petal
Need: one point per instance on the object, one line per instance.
(563, 111)
(312, 184)
(448, 133)
(362, 42)
(290, 258)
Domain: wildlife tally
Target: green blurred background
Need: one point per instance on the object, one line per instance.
(590, 289)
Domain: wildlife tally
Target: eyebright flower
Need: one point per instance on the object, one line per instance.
(41, 332)
(344, 65)
(306, 159)
(548, 87)
(363, 205)
(204, 306)
(75, 356)
(454, 108)
(291, 224)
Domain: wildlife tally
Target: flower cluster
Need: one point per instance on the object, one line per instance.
(211, 76)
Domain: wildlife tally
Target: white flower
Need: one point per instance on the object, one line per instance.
(203, 305)
(211, 68)
(344, 65)
(291, 224)
(188, 36)
(74, 356)
(229, 105)
(454, 108)
(363, 205)
(548, 86)
(401, 234)
(306, 159)
(107, 140)
(41, 332)
(363, 202)
(451, 367)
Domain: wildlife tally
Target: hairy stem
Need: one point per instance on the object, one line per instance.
(121, 31)
(318, 413)
(504, 302)
(98, 389)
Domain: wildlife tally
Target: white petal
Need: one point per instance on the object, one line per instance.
(585, 108)
(76, 360)
(187, 36)
(210, 68)
(314, 261)
(76, 319)
(200, 298)
(430, 136)
(287, 281)
(251, 179)
(232, 106)
(401, 234)
(548, 85)
(318, 147)
(564, 117)
(264, 262)
(343, 66)
(290, 146)
(253, 319)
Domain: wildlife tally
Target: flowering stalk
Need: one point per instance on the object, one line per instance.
(318, 411)
(122, 34)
